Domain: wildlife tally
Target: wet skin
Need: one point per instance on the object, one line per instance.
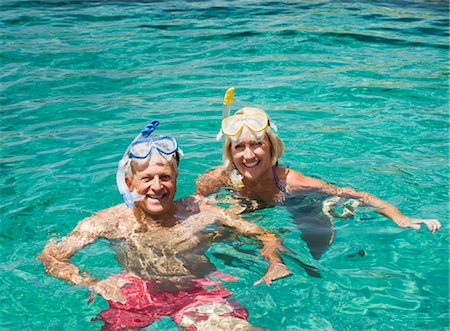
(158, 239)
(252, 158)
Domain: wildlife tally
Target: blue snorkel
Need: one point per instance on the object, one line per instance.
(131, 197)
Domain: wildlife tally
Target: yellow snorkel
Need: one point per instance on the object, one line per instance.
(235, 176)
(227, 101)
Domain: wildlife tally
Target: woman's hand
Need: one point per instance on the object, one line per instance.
(110, 288)
(274, 272)
(410, 222)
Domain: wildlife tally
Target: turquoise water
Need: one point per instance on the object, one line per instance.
(358, 89)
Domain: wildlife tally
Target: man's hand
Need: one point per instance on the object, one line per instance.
(110, 288)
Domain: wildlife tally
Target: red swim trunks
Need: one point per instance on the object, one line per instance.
(145, 304)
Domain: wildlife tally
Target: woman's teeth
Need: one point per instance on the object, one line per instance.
(251, 164)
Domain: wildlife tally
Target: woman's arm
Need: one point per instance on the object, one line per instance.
(299, 183)
(211, 181)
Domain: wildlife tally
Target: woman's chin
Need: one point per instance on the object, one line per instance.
(252, 174)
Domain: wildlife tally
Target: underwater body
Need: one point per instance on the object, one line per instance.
(358, 90)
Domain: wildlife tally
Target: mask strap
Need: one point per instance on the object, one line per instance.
(273, 126)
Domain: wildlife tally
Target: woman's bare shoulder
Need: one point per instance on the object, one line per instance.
(297, 181)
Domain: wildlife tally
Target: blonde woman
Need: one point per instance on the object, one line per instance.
(251, 168)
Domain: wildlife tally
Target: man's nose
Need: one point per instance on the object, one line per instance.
(156, 183)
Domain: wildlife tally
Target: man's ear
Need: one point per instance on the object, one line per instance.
(128, 182)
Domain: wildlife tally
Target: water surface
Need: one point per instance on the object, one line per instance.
(358, 90)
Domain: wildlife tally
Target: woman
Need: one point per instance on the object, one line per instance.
(251, 154)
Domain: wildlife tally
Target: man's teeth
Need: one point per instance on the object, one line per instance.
(155, 196)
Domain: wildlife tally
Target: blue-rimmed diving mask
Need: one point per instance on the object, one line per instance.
(140, 148)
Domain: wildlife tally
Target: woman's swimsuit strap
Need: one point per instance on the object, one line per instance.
(279, 184)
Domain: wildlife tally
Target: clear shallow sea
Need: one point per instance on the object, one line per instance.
(358, 89)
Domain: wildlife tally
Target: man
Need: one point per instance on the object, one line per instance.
(161, 244)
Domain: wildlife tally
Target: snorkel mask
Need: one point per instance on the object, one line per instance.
(141, 147)
(233, 126)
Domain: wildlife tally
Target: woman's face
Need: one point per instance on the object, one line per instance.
(251, 157)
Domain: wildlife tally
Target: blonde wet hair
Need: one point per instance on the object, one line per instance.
(276, 144)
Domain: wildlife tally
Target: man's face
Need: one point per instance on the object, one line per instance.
(158, 183)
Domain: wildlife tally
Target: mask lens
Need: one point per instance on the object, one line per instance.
(166, 145)
(140, 149)
(232, 125)
(257, 122)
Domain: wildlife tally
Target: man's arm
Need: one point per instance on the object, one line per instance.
(56, 256)
(272, 243)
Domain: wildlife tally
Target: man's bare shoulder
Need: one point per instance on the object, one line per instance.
(111, 223)
(210, 208)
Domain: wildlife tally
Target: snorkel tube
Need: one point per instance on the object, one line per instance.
(131, 197)
(235, 177)
(227, 101)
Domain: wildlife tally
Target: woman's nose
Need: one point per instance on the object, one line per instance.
(248, 153)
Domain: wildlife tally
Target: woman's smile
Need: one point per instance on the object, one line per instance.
(251, 163)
